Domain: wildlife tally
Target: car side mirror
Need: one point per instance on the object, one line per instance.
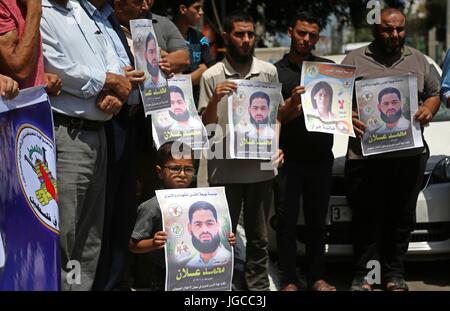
(441, 172)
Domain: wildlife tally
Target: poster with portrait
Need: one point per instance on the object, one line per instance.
(387, 106)
(154, 91)
(181, 121)
(327, 101)
(252, 115)
(198, 254)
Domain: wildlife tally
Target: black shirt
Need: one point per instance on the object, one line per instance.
(296, 142)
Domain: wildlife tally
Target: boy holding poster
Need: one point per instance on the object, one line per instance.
(148, 235)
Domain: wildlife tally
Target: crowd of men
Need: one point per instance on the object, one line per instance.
(81, 52)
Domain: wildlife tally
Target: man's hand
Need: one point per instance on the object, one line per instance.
(159, 240)
(136, 77)
(8, 87)
(296, 97)
(109, 103)
(424, 115)
(232, 239)
(53, 84)
(118, 84)
(164, 64)
(224, 88)
(292, 107)
(278, 158)
(173, 62)
(358, 126)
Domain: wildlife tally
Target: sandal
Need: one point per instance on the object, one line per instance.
(359, 284)
(396, 284)
(322, 286)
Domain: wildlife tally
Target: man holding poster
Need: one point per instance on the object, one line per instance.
(383, 223)
(94, 90)
(309, 160)
(247, 185)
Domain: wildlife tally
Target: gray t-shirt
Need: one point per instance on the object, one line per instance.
(148, 222)
(370, 65)
(168, 36)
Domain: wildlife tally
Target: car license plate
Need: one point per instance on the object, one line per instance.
(341, 213)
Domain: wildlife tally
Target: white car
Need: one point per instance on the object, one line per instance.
(432, 231)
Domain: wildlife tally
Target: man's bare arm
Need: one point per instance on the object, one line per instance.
(197, 74)
(18, 56)
(174, 62)
(427, 110)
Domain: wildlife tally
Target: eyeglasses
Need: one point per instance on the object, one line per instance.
(176, 169)
(389, 29)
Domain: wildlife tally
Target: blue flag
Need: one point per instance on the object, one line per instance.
(29, 218)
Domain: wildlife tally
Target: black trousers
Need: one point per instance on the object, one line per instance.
(120, 216)
(254, 200)
(312, 182)
(382, 194)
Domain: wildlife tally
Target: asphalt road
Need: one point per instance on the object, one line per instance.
(420, 276)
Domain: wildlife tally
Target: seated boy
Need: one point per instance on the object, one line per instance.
(147, 236)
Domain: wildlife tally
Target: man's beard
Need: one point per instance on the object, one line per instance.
(180, 117)
(207, 246)
(258, 124)
(152, 70)
(297, 50)
(384, 44)
(240, 58)
(388, 119)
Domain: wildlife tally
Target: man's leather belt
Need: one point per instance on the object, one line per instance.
(77, 123)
